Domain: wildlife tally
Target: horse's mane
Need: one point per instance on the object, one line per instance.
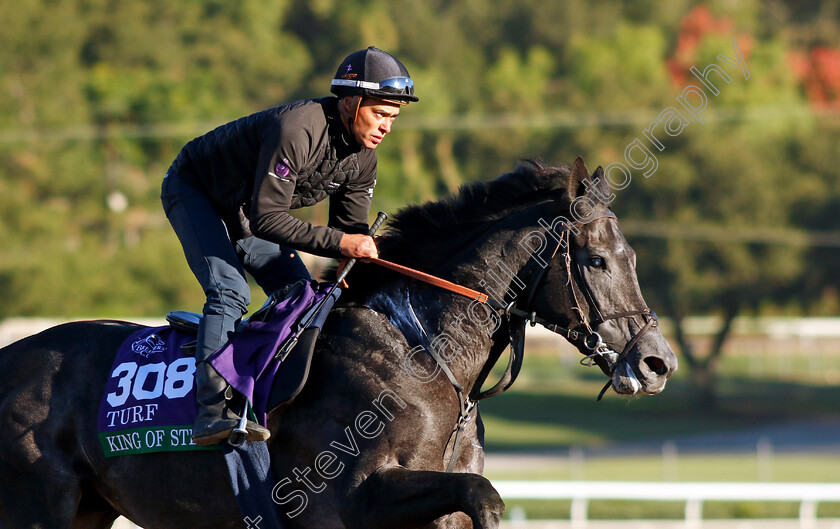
(474, 204)
(424, 235)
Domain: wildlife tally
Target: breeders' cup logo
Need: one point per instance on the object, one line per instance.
(148, 346)
(281, 171)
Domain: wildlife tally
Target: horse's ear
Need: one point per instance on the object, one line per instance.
(601, 185)
(532, 164)
(577, 175)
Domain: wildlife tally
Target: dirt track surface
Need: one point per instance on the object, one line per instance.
(811, 437)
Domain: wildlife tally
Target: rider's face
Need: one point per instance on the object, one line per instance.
(373, 121)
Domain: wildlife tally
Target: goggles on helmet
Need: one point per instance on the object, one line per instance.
(394, 85)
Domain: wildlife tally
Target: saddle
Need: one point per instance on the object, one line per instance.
(291, 377)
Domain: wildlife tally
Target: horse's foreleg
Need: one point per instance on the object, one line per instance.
(402, 498)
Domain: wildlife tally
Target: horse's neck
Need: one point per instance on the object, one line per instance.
(464, 330)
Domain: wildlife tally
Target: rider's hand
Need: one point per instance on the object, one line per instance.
(358, 246)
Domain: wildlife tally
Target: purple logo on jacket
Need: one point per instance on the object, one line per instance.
(281, 171)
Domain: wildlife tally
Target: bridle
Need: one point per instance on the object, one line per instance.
(532, 276)
(588, 337)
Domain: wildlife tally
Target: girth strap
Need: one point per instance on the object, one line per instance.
(467, 407)
(433, 352)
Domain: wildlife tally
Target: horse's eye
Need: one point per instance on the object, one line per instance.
(597, 262)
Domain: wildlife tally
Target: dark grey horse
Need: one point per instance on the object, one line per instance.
(366, 443)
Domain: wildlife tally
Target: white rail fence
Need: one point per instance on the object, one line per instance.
(693, 494)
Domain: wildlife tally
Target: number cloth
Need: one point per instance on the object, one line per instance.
(149, 401)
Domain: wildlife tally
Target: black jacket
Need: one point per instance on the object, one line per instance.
(257, 168)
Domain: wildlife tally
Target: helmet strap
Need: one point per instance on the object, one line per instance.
(358, 101)
(349, 111)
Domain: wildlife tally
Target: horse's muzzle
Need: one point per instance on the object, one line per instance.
(647, 368)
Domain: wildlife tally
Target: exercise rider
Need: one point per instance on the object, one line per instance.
(229, 192)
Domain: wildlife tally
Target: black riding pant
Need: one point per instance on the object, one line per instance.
(220, 265)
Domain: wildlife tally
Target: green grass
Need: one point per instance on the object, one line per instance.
(662, 510)
(725, 468)
(713, 467)
(553, 405)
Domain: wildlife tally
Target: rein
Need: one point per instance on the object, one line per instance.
(481, 297)
(430, 279)
(534, 272)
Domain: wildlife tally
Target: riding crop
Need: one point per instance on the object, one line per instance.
(240, 433)
(289, 344)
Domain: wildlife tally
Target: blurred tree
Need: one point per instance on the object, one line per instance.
(817, 201)
(709, 197)
(719, 181)
(97, 96)
(72, 210)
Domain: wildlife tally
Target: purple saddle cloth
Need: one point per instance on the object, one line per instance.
(149, 399)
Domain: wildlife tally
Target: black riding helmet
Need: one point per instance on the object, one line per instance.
(374, 73)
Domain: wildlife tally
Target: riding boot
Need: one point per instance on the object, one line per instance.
(216, 421)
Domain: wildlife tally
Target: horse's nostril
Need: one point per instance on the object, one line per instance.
(656, 364)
